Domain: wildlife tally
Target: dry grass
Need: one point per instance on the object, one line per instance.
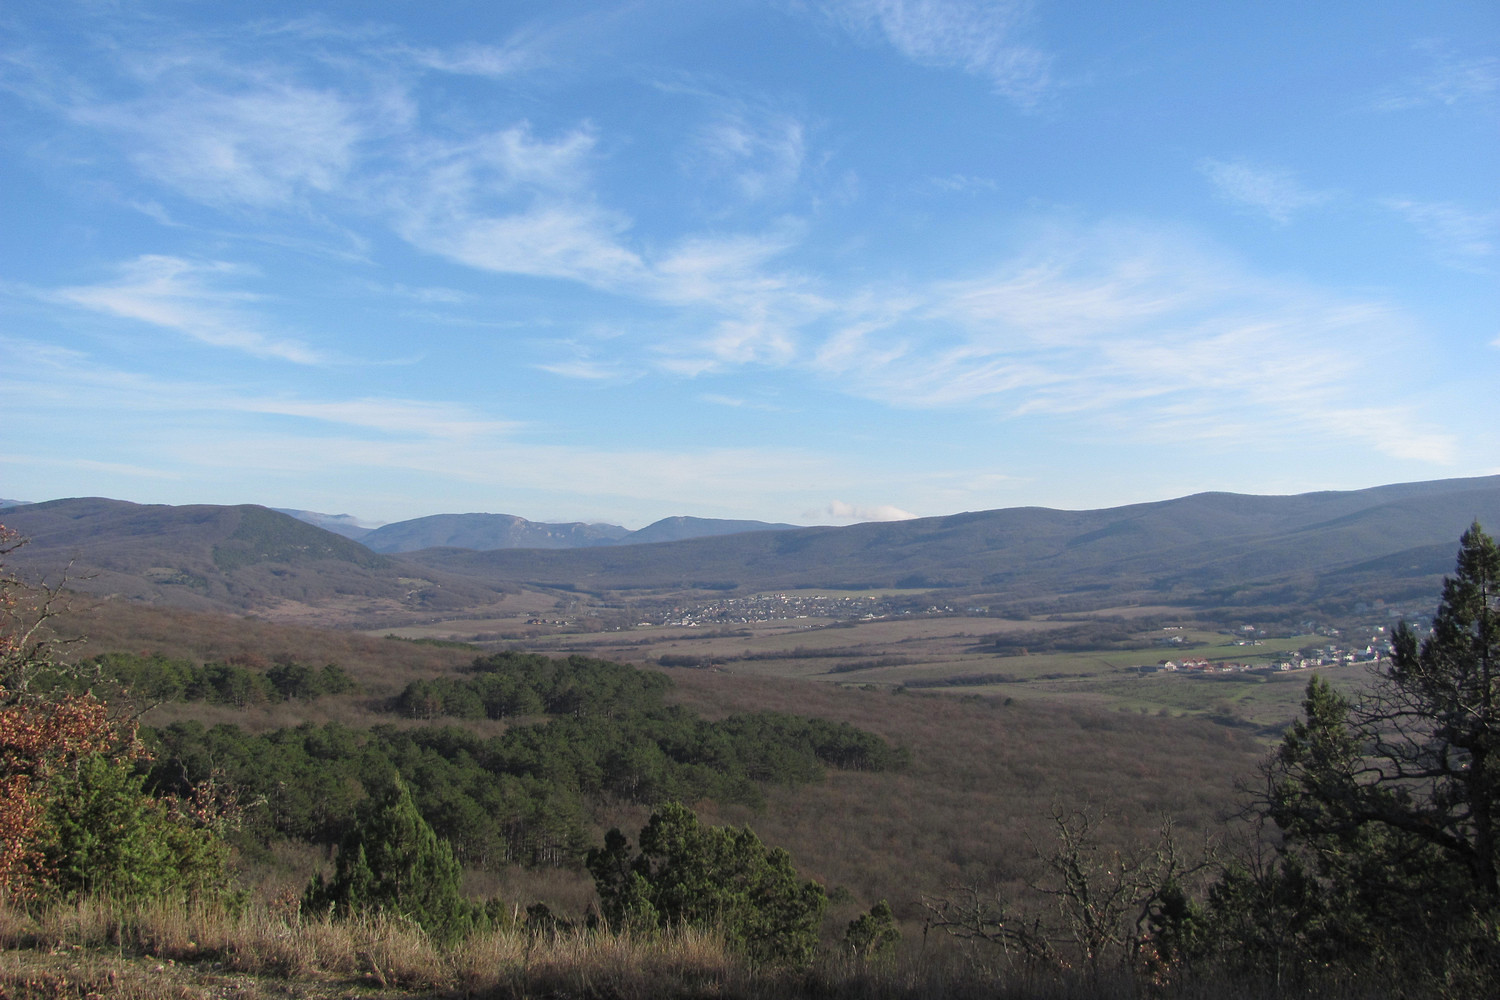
(71, 950)
(93, 950)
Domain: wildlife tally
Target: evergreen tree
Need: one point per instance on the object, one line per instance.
(106, 836)
(875, 934)
(392, 861)
(1388, 807)
(715, 877)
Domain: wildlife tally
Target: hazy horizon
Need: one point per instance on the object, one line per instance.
(801, 261)
(372, 523)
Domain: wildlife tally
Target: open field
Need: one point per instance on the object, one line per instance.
(959, 655)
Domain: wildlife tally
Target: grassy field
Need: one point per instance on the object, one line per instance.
(958, 655)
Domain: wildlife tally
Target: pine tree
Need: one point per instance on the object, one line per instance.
(719, 878)
(1388, 806)
(391, 861)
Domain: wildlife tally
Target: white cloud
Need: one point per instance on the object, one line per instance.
(46, 374)
(181, 295)
(1450, 81)
(1459, 237)
(588, 371)
(422, 445)
(763, 154)
(974, 36)
(574, 242)
(737, 402)
(838, 510)
(1277, 193)
(266, 143)
(400, 417)
(963, 184)
(1152, 336)
(512, 203)
(518, 55)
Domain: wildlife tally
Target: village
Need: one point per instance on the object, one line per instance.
(1333, 654)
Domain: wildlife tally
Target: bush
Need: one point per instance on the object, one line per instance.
(106, 836)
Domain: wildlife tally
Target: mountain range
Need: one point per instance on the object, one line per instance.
(485, 532)
(1385, 543)
(1328, 549)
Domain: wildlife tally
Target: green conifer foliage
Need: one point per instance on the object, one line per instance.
(715, 877)
(391, 861)
(873, 935)
(106, 836)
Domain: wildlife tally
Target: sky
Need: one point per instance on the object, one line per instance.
(796, 261)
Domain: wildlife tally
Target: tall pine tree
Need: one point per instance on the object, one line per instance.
(391, 861)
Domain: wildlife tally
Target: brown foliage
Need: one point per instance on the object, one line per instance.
(38, 737)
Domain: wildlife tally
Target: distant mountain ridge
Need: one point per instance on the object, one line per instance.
(484, 532)
(1337, 549)
(487, 532)
(1384, 543)
(676, 529)
(340, 524)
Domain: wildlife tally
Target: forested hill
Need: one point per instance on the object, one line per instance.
(1389, 542)
(484, 532)
(487, 531)
(243, 558)
(1332, 549)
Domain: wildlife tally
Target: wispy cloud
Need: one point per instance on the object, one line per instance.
(336, 442)
(979, 37)
(761, 152)
(963, 184)
(1276, 193)
(1450, 80)
(185, 296)
(49, 373)
(1459, 237)
(518, 55)
(738, 402)
(586, 370)
(263, 142)
(1150, 334)
(400, 417)
(514, 203)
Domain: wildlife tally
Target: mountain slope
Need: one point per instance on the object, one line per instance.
(1335, 549)
(243, 558)
(676, 529)
(1208, 548)
(484, 532)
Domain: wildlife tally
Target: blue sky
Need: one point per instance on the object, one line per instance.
(813, 262)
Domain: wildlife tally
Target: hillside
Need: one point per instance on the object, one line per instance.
(676, 529)
(1388, 543)
(1331, 550)
(484, 532)
(487, 532)
(243, 558)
